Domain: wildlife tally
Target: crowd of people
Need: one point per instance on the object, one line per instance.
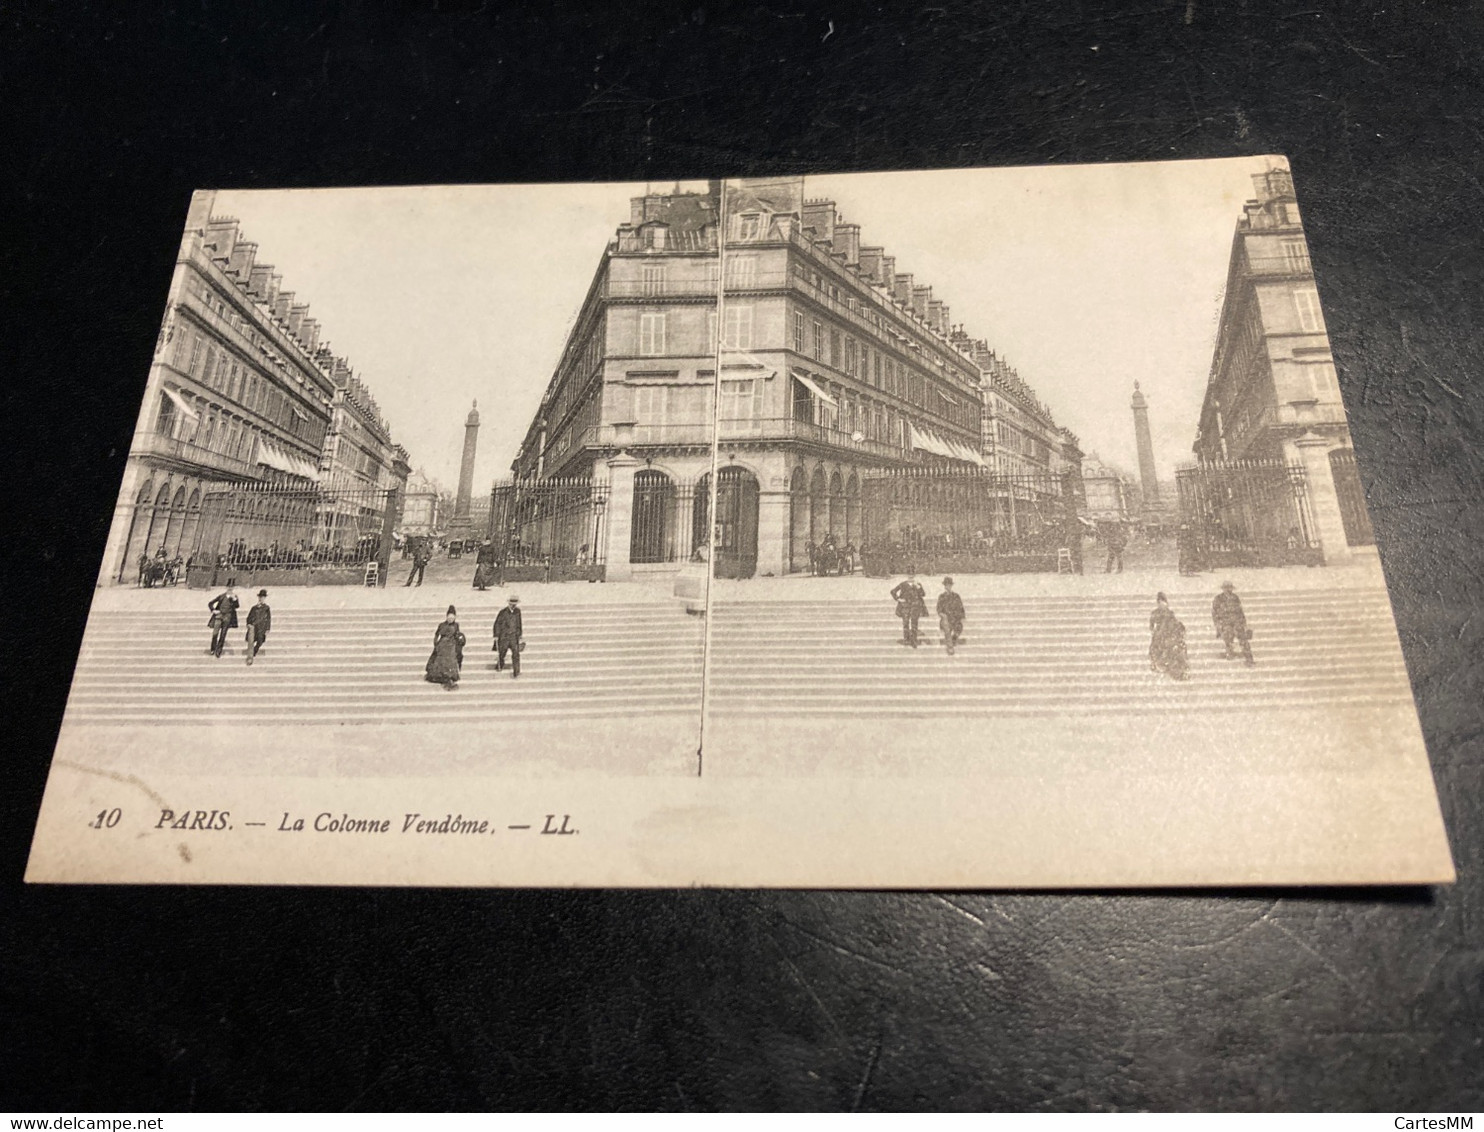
(162, 569)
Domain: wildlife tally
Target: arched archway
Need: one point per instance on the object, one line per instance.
(159, 521)
(837, 509)
(735, 546)
(798, 520)
(138, 539)
(853, 511)
(651, 537)
(819, 506)
(174, 523)
(192, 525)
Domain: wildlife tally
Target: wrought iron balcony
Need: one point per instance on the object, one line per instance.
(698, 434)
(176, 448)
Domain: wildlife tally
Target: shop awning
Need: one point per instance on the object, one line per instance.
(272, 456)
(813, 386)
(181, 404)
(929, 441)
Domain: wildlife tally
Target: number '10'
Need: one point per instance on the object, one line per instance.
(106, 819)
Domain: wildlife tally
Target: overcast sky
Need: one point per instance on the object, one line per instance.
(1086, 278)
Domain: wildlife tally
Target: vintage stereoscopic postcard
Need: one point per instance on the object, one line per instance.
(975, 528)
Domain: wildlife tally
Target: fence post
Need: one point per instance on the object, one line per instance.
(389, 520)
(1324, 500)
(620, 517)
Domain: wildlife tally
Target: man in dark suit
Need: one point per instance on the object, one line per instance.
(950, 616)
(259, 621)
(509, 636)
(223, 617)
(420, 556)
(1231, 623)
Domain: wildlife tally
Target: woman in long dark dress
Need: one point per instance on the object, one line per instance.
(484, 569)
(1167, 641)
(448, 653)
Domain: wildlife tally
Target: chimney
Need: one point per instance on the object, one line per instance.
(820, 215)
(198, 215)
(938, 316)
(259, 280)
(243, 254)
(902, 289)
(848, 242)
(309, 330)
(221, 236)
(921, 297)
(297, 314)
(281, 304)
(888, 271)
(871, 263)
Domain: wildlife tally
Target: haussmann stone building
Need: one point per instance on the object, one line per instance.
(243, 394)
(835, 365)
(1272, 397)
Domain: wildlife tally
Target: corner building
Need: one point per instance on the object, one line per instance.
(834, 364)
(1272, 393)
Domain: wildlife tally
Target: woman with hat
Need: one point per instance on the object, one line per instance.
(448, 652)
(1167, 640)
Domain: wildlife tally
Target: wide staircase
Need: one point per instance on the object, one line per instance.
(327, 666)
(1050, 655)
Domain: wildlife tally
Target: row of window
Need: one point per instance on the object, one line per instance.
(832, 347)
(208, 431)
(211, 363)
(880, 370)
(1013, 440)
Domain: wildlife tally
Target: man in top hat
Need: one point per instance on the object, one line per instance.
(1231, 623)
(223, 617)
(509, 636)
(259, 621)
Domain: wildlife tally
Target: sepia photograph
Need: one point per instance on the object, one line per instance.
(960, 528)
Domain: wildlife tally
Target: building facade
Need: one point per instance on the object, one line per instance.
(1272, 394)
(421, 513)
(361, 465)
(834, 364)
(241, 392)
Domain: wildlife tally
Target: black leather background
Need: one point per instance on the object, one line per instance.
(165, 999)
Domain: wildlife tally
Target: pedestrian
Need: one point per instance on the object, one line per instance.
(448, 652)
(1167, 640)
(420, 556)
(950, 616)
(223, 616)
(911, 601)
(259, 621)
(1231, 623)
(509, 637)
(1116, 538)
(484, 565)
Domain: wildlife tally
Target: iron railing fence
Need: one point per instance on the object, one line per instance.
(1245, 513)
(258, 527)
(549, 528)
(972, 521)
